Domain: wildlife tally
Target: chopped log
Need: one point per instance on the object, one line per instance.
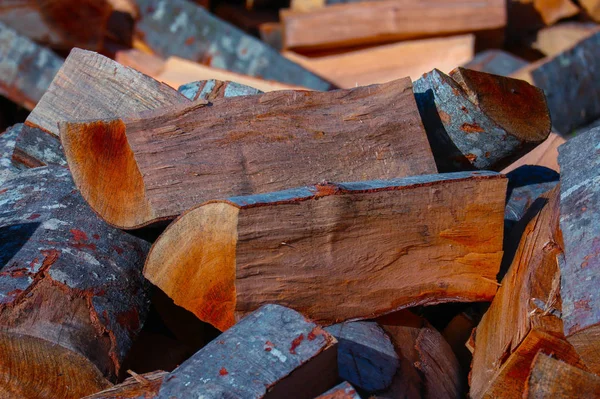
(545, 154)
(366, 356)
(388, 62)
(579, 160)
(496, 62)
(551, 378)
(271, 33)
(342, 391)
(27, 68)
(35, 147)
(8, 140)
(592, 8)
(387, 21)
(64, 24)
(90, 86)
(72, 296)
(450, 250)
(212, 89)
(249, 146)
(273, 351)
(182, 29)
(142, 386)
(525, 314)
(555, 39)
(570, 82)
(478, 120)
(428, 368)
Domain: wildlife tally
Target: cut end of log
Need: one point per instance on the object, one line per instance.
(117, 193)
(203, 241)
(66, 373)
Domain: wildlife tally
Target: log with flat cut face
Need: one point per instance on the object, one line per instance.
(336, 251)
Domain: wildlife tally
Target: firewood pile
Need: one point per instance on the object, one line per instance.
(305, 199)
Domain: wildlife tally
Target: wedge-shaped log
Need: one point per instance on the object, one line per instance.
(182, 29)
(90, 86)
(35, 147)
(342, 391)
(552, 378)
(525, 314)
(72, 295)
(336, 251)
(478, 120)
(579, 160)
(143, 386)
(571, 83)
(153, 169)
(273, 352)
(353, 24)
(27, 68)
(212, 89)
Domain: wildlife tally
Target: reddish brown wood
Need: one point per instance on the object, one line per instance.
(140, 386)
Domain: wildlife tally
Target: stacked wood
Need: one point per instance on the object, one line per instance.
(273, 351)
(212, 89)
(496, 62)
(388, 62)
(27, 68)
(35, 147)
(386, 21)
(525, 314)
(64, 24)
(479, 120)
(569, 80)
(144, 386)
(183, 29)
(243, 246)
(372, 140)
(579, 159)
(72, 296)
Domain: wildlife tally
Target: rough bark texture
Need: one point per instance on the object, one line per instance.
(342, 391)
(551, 378)
(570, 82)
(180, 28)
(8, 140)
(27, 68)
(387, 21)
(212, 89)
(144, 386)
(271, 353)
(35, 147)
(66, 24)
(579, 159)
(91, 86)
(152, 169)
(428, 368)
(366, 355)
(497, 62)
(336, 251)
(72, 296)
(479, 120)
(525, 314)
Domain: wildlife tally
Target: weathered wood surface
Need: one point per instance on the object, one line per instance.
(555, 39)
(65, 24)
(570, 81)
(342, 391)
(273, 351)
(91, 86)
(35, 147)
(212, 89)
(446, 247)
(579, 159)
(545, 154)
(525, 314)
(143, 386)
(495, 61)
(366, 356)
(26, 68)
(8, 140)
(347, 25)
(388, 62)
(180, 28)
(251, 144)
(478, 120)
(72, 296)
(428, 368)
(551, 378)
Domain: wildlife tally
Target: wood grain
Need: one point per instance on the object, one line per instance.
(336, 251)
(212, 89)
(143, 386)
(250, 144)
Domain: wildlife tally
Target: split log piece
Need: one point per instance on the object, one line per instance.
(226, 258)
(342, 391)
(248, 146)
(142, 386)
(212, 89)
(274, 352)
(35, 147)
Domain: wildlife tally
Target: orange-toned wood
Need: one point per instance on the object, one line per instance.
(592, 8)
(555, 39)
